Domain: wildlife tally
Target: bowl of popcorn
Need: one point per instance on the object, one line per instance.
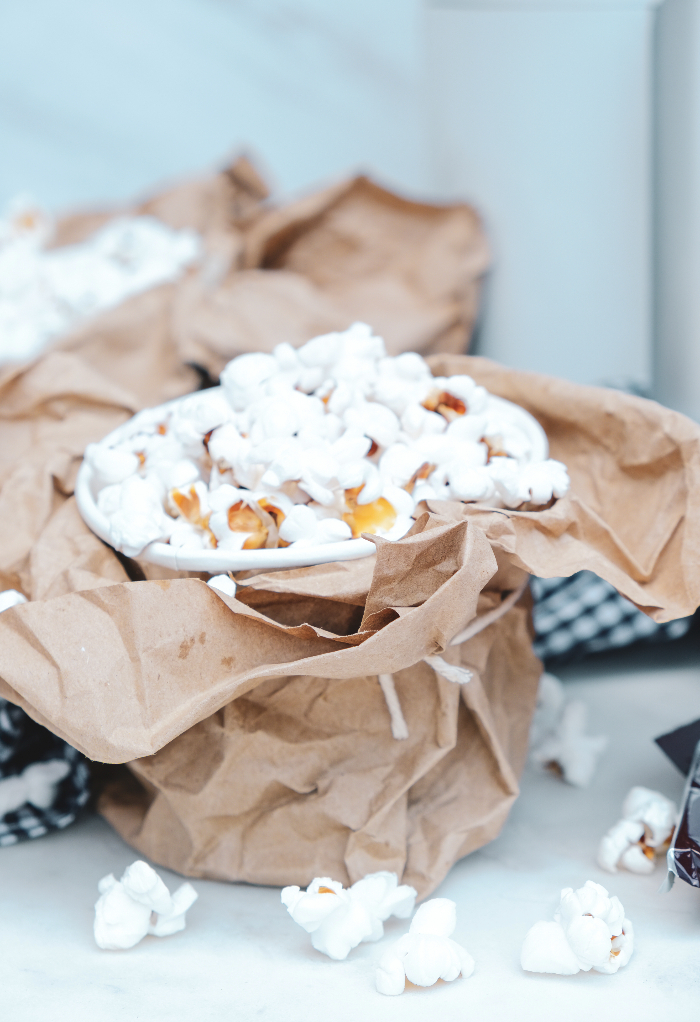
(301, 453)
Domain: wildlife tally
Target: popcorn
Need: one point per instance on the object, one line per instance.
(46, 292)
(125, 909)
(338, 919)
(557, 735)
(426, 953)
(589, 931)
(36, 785)
(223, 583)
(301, 526)
(647, 824)
(356, 438)
(11, 598)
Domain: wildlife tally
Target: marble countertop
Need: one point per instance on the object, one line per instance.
(242, 958)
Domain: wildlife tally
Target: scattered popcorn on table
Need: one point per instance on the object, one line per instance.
(426, 953)
(46, 292)
(558, 738)
(316, 445)
(589, 931)
(138, 904)
(646, 828)
(338, 918)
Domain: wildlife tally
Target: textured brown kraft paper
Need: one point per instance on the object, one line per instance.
(285, 765)
(256, 726)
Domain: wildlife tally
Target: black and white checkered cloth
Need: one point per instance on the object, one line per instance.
(583, 614)
(23, 742)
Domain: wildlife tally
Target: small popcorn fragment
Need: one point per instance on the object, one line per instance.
(445, 404)
(302, 527)
(191, 503)
(242, 518)
(589, 931)
(339, 918)
(557, 735)
(11, 598)
(426, 953)
(136, 905)
(645, 830)
(223, 583)
(379, 514)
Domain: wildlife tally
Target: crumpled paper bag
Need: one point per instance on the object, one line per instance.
(256, 725)
(258, 738)
(632, 514)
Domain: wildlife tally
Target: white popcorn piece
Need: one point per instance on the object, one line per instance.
(589, 931)
(558, 736)
(46, 292)
(224, 583)
(426, 953)
(339, 918)
(647, 824)
(137, 905)
(36, 785)
(356, 438)
(11, 598)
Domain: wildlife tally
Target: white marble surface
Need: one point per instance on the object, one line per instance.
(242, 958)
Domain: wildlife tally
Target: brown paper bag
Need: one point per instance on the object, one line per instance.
(256, 727)
(259, 737)
(285, 764)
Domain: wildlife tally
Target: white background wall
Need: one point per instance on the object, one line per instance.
(103, 98)
(538, 111)
(542, 116)
(678, 207)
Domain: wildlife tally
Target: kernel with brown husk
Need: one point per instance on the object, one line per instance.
(277, 515)
(379, 514)
(445, 404)
(185, 504)
(494, 446)
(242, 518)
(421, 473)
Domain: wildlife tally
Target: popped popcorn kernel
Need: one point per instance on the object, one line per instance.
(353, 915)
(589, 931)
(426, 953)
(319, 445)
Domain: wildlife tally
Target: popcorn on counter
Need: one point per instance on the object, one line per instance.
(646, 828)
(46, 292)
(558, 736)
(589, 931)
(426, 953)
(339, 918)
(315, 445)
(138, 904)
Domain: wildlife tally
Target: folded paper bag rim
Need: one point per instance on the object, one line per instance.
(632, 514)
(90, 665)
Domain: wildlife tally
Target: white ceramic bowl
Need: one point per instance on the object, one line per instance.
(296, 556)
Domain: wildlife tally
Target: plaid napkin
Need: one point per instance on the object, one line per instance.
(23, 742)
(583, 614)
